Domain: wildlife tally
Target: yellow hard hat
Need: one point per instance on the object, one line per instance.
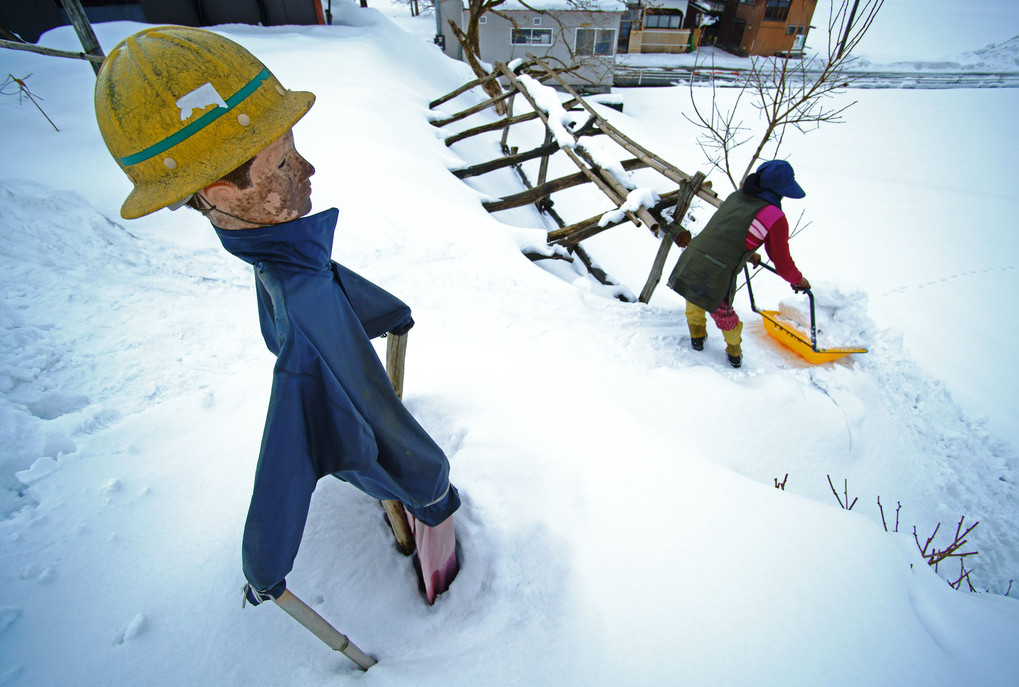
(181, 107)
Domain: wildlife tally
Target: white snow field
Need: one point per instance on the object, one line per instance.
(620, 523)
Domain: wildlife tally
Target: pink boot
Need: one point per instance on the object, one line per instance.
(436, 553)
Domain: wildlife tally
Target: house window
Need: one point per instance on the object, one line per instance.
(795, 30)
(776, 10)
(595, 41)
(531, 37)
(663, 21)
(536, 21)
(482, 19)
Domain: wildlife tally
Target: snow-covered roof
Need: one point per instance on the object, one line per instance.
(666, 4)
(563, 5)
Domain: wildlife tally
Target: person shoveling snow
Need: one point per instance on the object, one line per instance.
(193, 118)
(705, 274)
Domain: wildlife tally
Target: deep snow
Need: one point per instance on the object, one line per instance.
(620, 524)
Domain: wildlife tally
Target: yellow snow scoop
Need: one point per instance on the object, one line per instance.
(792, 338)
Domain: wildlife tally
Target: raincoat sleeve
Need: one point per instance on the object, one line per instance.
(378, 310)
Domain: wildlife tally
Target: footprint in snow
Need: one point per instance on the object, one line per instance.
(8, 616)
(135, 628)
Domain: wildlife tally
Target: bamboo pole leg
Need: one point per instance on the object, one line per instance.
(396, 354)
(401, 530)
(318, 626)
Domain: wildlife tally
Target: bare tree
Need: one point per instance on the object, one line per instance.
(786, 92)
(470, 39)
(417, 7)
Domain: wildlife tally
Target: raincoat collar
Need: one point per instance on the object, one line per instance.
(306, 242)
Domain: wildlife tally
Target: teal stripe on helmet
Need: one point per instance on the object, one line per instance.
(197, 125)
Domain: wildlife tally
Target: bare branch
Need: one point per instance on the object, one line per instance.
(786, 92)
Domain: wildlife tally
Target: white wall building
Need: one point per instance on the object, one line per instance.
(558, 30)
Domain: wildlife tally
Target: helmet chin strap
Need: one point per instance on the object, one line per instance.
(206, 207)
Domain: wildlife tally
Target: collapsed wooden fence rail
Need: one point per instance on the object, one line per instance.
(569, 235)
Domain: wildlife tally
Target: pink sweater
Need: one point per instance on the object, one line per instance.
(771, 228)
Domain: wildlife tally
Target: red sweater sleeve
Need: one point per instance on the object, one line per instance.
(771, 228)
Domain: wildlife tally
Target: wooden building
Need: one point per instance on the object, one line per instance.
(765, 27)
(28, 19)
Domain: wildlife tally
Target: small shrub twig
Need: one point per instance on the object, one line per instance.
(845, 492)
(936, 556)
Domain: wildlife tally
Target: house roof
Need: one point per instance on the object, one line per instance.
(666, 4)
(562, 5)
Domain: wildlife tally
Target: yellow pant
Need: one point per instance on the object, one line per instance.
(697, 321)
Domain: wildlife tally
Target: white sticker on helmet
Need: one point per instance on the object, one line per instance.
(199, 99)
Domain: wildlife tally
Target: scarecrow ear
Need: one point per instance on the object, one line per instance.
(220, 193)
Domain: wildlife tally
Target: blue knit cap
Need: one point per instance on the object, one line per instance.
(777, 176)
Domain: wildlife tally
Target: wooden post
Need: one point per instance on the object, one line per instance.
(493, 126)
(608, 185)
(495, 74)
(333, 638)
(573, 234)
(509, 116)
(480, 107)
(533, 195)
(84, 30)
(543, 167)
(32, 47)
(686, 194)
(656, 163)
(396, 353)
(508, 161)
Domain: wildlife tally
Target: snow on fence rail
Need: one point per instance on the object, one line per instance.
(576, 139)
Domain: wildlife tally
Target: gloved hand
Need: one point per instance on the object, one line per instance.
(754, 259)
(801, 286)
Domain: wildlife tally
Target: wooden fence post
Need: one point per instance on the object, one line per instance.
(84, 30)
(687, 191)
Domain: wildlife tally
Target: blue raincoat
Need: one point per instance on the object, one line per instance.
(332, 409)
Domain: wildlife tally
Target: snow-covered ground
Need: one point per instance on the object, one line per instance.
(620, 523)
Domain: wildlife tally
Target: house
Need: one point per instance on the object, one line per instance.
(765, 27)
(656, 26)
(32, 18)
(553, 28)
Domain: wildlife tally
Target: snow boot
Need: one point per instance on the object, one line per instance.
(697, 343)
(734, 353)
